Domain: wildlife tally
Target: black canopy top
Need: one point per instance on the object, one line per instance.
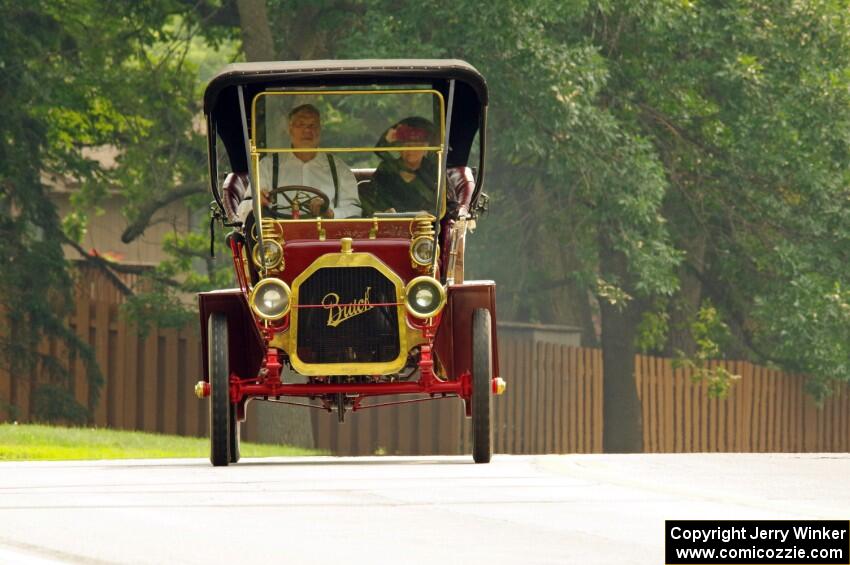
(221, 101)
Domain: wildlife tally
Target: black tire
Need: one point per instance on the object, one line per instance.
(221, 410)
(235, 435)
(482, 376)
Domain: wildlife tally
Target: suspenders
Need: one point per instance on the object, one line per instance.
(331, 164)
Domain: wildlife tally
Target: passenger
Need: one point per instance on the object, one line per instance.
(407, 183)
(327, 173)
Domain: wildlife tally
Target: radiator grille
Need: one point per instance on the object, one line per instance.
(338, 321)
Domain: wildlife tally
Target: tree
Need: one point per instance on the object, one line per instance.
(747, 107)
(123, 72)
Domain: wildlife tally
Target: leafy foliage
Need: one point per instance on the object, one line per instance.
(710, 333)
(699, 139)
(34, 285)
(747, 106)
(80, 76)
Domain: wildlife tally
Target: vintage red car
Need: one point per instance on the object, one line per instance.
(349, 190)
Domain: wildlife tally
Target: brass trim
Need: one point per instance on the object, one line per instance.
(266, 282)
(289, 340)
(394, 149)
(440, 305)
(422, 225)
(457, 242)
(373, 231)
(414, 338)
(370, 219)
(255, 254)
(246, 267)
(255, 202)
(345, 245)
(322, 234)
(268, 228)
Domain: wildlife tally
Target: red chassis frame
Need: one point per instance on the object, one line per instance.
(255, 368)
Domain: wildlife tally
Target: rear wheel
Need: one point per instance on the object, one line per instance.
(482, 376)
(221, 410)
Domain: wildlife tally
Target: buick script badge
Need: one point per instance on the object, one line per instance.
(338, 313)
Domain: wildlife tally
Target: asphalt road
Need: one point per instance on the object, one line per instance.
(518, 509)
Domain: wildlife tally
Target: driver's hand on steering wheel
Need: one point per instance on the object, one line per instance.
(315, 205)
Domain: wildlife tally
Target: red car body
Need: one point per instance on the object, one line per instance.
(349, 324)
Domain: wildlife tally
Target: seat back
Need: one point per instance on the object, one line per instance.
(461, 184)
(234, 190)
(361, 175)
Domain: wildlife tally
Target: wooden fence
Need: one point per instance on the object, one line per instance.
(766, 410)
(553, 402)
(148, 380)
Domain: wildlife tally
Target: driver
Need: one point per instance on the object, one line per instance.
(310, 168)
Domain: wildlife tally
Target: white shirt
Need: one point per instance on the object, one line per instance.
(315, 173)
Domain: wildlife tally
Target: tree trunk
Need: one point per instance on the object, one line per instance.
(257, 41)
(622, 419)
(306, 38)
(687, 301)
(565, 302)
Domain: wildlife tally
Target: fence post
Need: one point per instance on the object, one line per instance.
(81, 320)
(149, 383)
(101, 347)
(669, 424)
(810, 417)
(169, 380)
(598, 407)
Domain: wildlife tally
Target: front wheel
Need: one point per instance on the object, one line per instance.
(482, 377)
(222, 412)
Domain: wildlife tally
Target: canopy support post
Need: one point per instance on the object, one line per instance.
(254, 182)
(442, 187)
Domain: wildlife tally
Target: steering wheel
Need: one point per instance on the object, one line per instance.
(297, 197)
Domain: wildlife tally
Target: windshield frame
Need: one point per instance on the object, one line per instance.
(357, 92)
(439, 150)
(256, 153)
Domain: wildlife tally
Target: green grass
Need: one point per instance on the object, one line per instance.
(51, 443)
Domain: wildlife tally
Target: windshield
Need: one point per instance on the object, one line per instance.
(348, 154)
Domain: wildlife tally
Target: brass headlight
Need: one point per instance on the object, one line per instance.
(273, 254)
(270, 299)
(424, 297)
(422, 250)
